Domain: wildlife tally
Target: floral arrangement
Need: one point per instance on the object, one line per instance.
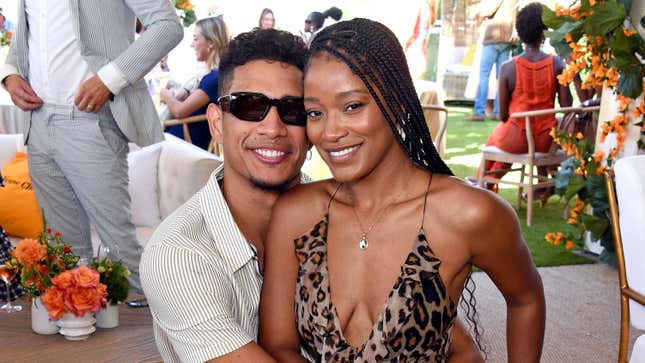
(77, 291)
(5, 37)
(186, 11)
(114, 275)
(41, 259)
(603, 48)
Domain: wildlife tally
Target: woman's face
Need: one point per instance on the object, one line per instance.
(203, 47)
(344, 121)
(309, 25)
(267, 21)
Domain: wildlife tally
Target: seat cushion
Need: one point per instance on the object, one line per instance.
(630, 191)
(19, 212)
(143, 186)
(496, 150)
(638, 351)
(10, 144)
(183, 170)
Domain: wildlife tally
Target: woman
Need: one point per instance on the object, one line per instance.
(378, 256)
(316, 20)
(267, 20)
(210, 38)
(528, 82)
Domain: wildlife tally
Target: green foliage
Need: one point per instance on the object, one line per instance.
(115, 276)
(605, 18)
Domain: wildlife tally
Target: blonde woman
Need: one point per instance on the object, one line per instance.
(210, 38)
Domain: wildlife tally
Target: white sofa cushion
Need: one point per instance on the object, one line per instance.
(143, 186)
(9, 145)
(183, 170)
(630, 192)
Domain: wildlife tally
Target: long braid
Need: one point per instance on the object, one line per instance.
(373, 53)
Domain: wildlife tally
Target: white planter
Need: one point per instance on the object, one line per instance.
(40, 322)
(108, 317)
(75, 327)
(593, 245)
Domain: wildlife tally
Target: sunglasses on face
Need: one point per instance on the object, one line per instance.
(254, 107)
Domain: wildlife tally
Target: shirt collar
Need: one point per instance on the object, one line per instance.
(234, 248)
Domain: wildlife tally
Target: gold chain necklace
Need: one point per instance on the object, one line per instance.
(363, 243)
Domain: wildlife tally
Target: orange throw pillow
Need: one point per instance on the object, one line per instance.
(19, 211)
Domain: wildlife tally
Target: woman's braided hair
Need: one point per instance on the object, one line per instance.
(374, 54)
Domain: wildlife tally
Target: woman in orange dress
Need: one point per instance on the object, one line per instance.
(527, 82)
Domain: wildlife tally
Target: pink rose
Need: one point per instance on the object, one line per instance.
(86, 277)
(81, 300)
(63, 280)
(53, 301)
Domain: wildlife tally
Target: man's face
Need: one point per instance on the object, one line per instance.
(268, 153)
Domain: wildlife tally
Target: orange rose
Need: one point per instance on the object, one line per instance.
(53, 301)
(85, 277)
(81, 300)
(30, 252)
(63, 280)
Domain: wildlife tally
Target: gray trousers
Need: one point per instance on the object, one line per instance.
(79, 170)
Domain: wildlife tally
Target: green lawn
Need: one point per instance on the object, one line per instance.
(463, 145)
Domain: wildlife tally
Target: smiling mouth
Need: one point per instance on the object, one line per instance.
(270, 155)
(343, 154)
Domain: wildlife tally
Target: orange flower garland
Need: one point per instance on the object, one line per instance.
(601, 54)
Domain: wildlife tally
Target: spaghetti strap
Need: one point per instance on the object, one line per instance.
(425, 202)
(333, 195)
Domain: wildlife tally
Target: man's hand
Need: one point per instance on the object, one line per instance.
(22, 94)
(92, 95)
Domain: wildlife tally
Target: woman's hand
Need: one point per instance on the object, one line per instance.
(165, 95)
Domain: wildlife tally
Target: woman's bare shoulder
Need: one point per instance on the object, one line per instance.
(303, 205)
(472, 209)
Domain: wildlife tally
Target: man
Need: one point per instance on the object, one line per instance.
(498, 43)
(201, 270)
(67, 59)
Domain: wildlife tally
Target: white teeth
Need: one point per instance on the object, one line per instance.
(337, 154)
(268, 153)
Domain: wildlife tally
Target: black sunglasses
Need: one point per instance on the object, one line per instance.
(254, 107)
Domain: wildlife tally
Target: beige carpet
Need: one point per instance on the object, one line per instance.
(583, 314)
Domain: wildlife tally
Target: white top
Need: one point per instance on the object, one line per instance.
(202, 280)
(56, 66)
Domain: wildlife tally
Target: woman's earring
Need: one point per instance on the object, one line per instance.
(309, 154)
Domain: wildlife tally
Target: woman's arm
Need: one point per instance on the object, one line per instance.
(564, 94)
(462, 347)
(505, 89)
(278, 334)
(499, 249)
(182, 109)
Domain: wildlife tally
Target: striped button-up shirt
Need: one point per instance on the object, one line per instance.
(202, 280)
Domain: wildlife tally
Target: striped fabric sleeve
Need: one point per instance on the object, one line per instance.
(163, 33)
(192, 302)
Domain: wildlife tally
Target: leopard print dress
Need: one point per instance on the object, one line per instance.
(414, 326)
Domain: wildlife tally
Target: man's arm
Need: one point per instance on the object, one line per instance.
(163, 32)
(21, 92)
(192, 300)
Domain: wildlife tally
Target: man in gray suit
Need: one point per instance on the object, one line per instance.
(75, 65)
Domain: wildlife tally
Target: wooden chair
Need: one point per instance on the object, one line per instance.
(627, 211)
(438, 135)
(184, 122)
(528, 161)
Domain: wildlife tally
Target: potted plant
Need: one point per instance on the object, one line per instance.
(115, 276)
(72, 298)
(39, 261)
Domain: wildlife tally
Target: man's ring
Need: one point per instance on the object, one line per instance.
(89, 108)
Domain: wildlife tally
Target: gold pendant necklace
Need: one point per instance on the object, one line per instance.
(363, 243)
